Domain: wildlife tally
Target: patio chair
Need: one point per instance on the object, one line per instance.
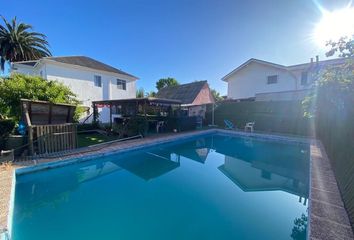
(229, 124)
(250, 126)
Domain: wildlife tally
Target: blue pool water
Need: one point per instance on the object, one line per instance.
(213, 187)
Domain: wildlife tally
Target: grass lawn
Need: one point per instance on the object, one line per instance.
(88, 139)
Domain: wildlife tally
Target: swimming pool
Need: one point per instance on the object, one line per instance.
(211, 187)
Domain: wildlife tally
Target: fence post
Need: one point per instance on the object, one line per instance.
(30, 139)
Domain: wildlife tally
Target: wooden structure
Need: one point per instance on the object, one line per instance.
(136, 106)
(6, 156)
(50, 126)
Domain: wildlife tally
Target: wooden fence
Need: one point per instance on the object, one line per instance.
(46, 139)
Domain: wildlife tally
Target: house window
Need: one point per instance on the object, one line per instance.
(121, 84)
(272, 79)
(304, 77)
(98, 81)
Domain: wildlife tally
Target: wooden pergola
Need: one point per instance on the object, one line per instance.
(133, 106)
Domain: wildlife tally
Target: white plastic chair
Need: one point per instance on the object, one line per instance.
(249, 126)
(159, 125)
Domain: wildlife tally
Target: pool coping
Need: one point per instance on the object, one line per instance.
(326, 208)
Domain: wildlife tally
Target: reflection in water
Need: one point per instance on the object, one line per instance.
(265, 170)
(48, 189)
(150, 164)
(300, 228)
(197, 150)
(121, 183)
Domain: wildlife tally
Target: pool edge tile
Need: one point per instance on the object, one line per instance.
(323, 214)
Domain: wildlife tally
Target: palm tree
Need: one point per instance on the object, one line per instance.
(19, 43)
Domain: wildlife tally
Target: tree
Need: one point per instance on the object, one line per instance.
(19, 86)
(19, 43)
(151, 94)
(299, 230)
(334, 87)
(140, 93)
(166, 82)
(216, 95)
(345, 47)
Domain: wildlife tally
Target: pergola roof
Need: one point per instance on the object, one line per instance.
(36, 112)
(139, 100)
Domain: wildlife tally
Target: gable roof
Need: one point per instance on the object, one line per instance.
(82, 61)
(319, 64)
(27, 63)
(186, 93)
(249, 62)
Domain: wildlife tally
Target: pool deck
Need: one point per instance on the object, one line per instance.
(327, 219)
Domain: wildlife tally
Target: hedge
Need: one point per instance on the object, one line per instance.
(279, 117)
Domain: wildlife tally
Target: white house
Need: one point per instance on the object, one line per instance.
(266, 81)
(89, 79)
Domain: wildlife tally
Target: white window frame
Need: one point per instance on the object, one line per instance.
(121, 84)
(302, 82)
(270, 79)
(97, 81)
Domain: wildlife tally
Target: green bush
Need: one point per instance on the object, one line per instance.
(137, 125)
(17, 87)
(6, 127)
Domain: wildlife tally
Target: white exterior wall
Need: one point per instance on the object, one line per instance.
(310, 78)
(81, 81)
(23, 69)
(252, 79)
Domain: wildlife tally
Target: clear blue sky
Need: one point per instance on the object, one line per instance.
(188, 40)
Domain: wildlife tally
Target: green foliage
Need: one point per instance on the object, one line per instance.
(137, 125)
(151, 94)
(79, 111)
(17, 87)
(331, 110)
(166, 82)
(344, 46)
(334, 85)
(6, 127)
(281, 116)
(140, 93)
(299, 230)
(216, 95)
(19, 43)
(88, 139)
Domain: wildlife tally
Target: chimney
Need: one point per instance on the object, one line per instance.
(317, 58)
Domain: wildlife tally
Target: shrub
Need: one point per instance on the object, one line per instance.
(6, 127)
(281, 116)
(17, 87)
